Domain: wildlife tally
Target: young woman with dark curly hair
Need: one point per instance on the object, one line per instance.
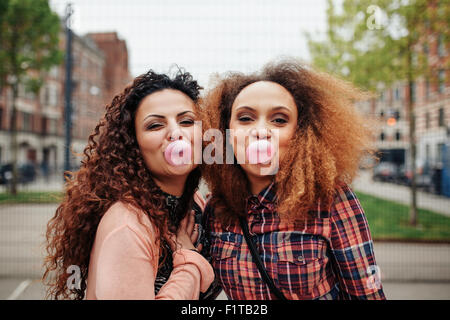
(306, 225)
(127, 218)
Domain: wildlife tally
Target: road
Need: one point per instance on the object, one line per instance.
(408, 270)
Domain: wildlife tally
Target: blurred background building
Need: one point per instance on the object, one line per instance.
(431, 98)
(100, 71)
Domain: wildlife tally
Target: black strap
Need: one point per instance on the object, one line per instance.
(259, 264)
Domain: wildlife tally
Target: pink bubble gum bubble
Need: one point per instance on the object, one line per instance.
(260, 151)
(178, 153)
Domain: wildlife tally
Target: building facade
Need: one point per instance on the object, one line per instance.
(115, 73)
(40, 118)
(431, 103)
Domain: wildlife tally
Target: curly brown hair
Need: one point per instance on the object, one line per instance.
(330, 140)
(112, 170)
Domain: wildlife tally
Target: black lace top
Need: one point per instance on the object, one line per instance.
(166, 266)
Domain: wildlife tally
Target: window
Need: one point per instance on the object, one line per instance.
(54, 72)
(382, 137)
(441, 81)
(427, 120)
(441, 117)
(413, 92)
(440, 152)
(26, 121)
(396, 114)
(1, 118)
(21, 90)
(398, 136)
(44, 125)
(51, 95)
(53, 129)
(397, 94)
(427, 89)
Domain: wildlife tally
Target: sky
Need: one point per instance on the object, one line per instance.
(203, 36)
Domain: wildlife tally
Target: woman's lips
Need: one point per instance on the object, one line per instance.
(178, 153)
(260, 152)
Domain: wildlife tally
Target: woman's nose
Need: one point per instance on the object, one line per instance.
(175, 134)
(260, 133)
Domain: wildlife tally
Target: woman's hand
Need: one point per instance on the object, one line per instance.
(186, 235)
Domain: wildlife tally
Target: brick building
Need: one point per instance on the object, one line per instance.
(115, 73)
(431, 103)
(40, 119)
(431, 98)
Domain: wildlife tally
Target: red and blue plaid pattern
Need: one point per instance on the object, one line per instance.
(329, 257)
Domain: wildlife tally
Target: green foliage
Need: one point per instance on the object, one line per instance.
(379, 41)
(29, 40)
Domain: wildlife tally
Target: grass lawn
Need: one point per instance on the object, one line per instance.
(387, 220)
(390, 220)
(31, 197)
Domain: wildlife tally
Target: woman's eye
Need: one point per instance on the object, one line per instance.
(244, 119)
(154, 126)
(280, 121)
(187, 122)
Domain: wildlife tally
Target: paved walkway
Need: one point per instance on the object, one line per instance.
(408, 271)
(401, 194)
(21, 252)
(25, 289)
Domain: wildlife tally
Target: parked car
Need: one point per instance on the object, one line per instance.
(25, 173)
(423, 177)
(386, 172)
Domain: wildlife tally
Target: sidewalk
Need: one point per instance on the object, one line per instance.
(408, 270)
(54, 183)
(401, 194)
(23, 289)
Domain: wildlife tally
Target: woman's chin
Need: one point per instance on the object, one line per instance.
(259, 169)
(180, 170)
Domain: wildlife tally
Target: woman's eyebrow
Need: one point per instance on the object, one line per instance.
(245, 107)
(162, 117)
(153, 115)
(281, 108)
(184, 112)
(273, 109)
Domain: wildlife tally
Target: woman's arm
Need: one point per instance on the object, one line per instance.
(352, 248)
(127, 266)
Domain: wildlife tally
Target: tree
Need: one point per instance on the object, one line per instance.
(29, 41)
(373, 42)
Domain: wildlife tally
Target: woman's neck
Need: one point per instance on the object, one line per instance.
(258, 183)
(172, 185)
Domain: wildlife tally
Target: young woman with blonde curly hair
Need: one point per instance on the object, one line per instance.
(306, 224)
(127, 219)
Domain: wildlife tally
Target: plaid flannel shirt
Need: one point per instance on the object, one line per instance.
(329, 257)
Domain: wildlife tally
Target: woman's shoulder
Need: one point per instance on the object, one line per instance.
(344, 192)
(346, 202)
(122, 215)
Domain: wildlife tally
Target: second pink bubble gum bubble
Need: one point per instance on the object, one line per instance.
(260, 151)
